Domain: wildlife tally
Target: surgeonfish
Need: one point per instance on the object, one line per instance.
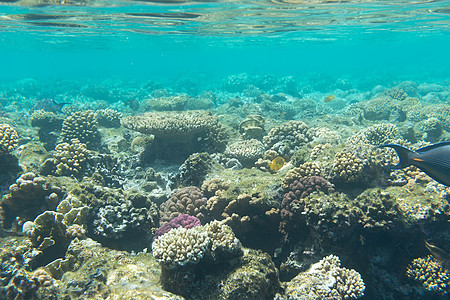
(434, 160)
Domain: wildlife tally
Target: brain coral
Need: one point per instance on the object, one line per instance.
(8, 139)
(81, 125)
(188, 200)
(172, 125)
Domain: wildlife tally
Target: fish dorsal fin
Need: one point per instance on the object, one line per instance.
(430, 147)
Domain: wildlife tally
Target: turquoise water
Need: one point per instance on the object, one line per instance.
(166, 39)
(117, 118)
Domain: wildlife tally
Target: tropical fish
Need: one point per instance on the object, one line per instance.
(434, 160)
(439, 254)
(277, 163)
(48, 104)
(329, 98)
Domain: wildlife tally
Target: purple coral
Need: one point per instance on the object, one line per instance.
(183, 220)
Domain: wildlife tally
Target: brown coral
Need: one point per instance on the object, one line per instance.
(8, 139)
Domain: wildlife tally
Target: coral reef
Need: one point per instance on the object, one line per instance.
(292, 208)
(195, 168)
(8, 139)
(188, 200)
(183, 220)
(28, 197)
(246, 151)
(348, 168)
(52, 231)
(166, 103)
(252, 127)
(181, 246)
(81, 125)
(286, 138)
(172, 125)
(108, 117)
(431, 274)
(255, 278)
(70, 158)
(326, 280)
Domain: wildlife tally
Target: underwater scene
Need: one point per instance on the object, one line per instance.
(235, 149)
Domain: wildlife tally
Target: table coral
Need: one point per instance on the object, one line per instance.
(172, 125)
(8, 139)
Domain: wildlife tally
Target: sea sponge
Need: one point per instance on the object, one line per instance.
(246, 151)
(188, 200)
(81, 125)
(108, 117)
(70, 158)
(8, 139)
(431, 273)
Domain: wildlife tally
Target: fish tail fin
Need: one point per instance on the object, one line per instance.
(405, 155)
